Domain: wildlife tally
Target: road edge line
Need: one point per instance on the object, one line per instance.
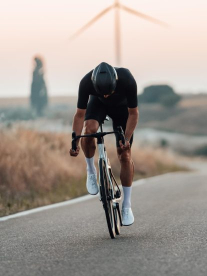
(72, 201)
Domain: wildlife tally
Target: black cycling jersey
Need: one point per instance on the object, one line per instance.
(96, 110)
(125, 92)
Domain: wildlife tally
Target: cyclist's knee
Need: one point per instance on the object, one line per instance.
(91, 126)
(124, 156)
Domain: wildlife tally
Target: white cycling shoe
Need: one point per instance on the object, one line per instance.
(91, 184)
(127, 216)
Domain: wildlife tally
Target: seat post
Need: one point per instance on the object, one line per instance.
(101, 127)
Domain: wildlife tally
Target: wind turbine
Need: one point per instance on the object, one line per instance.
(117, 7)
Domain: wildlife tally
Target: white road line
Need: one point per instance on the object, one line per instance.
(69, 202)
(47, 207)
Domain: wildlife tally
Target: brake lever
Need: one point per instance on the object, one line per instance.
(121, 134)
(74, 147)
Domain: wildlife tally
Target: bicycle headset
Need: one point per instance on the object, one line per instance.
(104, 78)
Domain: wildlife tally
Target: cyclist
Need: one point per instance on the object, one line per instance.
(108, 91)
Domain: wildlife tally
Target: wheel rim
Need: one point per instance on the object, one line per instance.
(117, 221)
(108, 207)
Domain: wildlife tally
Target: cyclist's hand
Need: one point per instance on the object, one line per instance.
(126, 146)
(73, 152)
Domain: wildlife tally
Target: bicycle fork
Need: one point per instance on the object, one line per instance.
(103, 155)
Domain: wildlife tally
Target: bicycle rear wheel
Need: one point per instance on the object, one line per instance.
(106, 197)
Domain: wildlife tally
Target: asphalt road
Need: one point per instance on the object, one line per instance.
(169, 236)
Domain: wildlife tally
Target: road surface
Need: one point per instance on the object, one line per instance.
(169, 236)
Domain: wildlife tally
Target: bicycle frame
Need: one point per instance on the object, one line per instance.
(103, 155)
(101, 149)
(110, 197)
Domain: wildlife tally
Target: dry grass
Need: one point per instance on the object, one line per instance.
(23, 101)
(147, 161)
(11, 102)
(186, 102)
(36, 169)
(188, 117)
(194, 101)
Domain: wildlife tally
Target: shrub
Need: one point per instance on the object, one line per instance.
(163, 94)
(202, 151)
(170, 100)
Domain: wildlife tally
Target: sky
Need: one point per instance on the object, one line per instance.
(155, 55)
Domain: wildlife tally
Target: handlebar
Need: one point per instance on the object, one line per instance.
(98, 135)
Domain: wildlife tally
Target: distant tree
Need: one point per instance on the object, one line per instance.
(202, 151)
(39, 97)
(163, 143)
(163, 94)
(170, 100)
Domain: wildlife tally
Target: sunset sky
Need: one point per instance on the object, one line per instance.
(175, 55)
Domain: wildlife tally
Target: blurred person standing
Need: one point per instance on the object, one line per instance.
(38, 97)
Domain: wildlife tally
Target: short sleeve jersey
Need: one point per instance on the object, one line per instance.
(125, 91)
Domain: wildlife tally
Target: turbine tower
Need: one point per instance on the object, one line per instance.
(117, 6)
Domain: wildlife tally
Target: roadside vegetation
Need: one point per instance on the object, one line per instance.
(36, 169)
(187, 116)
(202, 151)
(161, 94)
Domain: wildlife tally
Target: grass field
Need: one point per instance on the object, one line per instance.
(22, 101)
(194, 101)
(188, 117)
(187, 101)
(36, 169)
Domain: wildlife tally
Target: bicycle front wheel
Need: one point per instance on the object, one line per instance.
(106, 197)
(117, 221)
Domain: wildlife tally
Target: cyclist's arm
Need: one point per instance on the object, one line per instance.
(131, 122)
(132, 101)
(83, 96)
(79, 120)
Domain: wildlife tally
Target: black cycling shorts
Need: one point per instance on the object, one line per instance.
(98, 111)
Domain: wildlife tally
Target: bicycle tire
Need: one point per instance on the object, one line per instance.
(117, 221)
(106, 199)
(115, 209)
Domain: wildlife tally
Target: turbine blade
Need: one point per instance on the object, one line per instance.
(91, 22)
(144, 16)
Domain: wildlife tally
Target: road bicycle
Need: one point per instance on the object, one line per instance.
(109, 191)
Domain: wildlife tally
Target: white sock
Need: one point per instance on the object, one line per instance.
(91, 169)
(127, 197)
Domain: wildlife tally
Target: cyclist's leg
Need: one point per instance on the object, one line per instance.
(119, 116)
(95, 114)
(88, 144)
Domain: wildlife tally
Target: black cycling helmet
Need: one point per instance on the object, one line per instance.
(104, 79)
